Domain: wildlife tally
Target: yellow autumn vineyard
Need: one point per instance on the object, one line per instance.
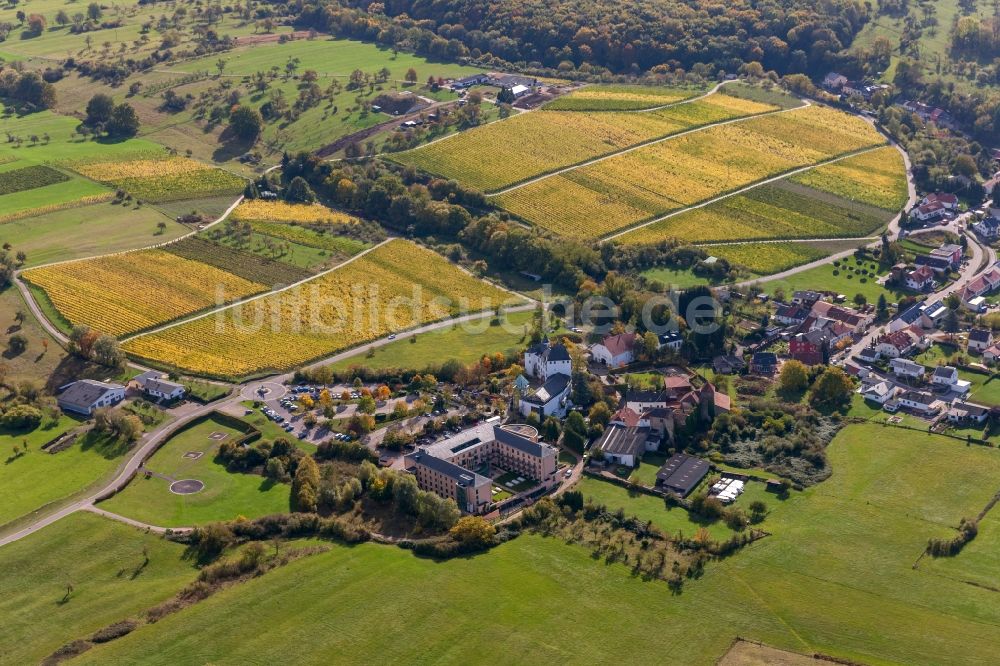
(159, 180)
(877, 178)
(595, 200)
(394, 287)
(258, 210)
(125, 293)
(500, 154)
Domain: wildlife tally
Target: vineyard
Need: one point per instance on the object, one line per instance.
(246, 265)
(257, 210)
(779, 210)
(163, 180)
(125, 293)
(504, 153)
(877, 178)
(310, 237)
(618, 98)
(597, 199)
(30, 177)
(766, 258)
(396, 286)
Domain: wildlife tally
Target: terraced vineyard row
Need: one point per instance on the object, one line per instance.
(396, 286)
(766, 258)
(162, 180)
(619, 98)
(246, 265)
(504, 153)
(596, 200)
(877, 178)
(29, 177)
(782, 209)
(125, 293)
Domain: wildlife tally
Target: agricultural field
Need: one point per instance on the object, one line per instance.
(114, 571)
(854, 541)
(782, 209)
(842, 278)
(130, 292)
(34, 479)
(164, 180)
(258, 210)
(42, 357)
(466, 343)
(620, 98)
(30, 188)
(597, 199)
(225, 496)
(84, 231)
(246, 265)
(504, 153)
(766, 258)
(396, 286)
(876, 178)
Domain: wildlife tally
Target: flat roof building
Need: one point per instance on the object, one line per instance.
(681, 473)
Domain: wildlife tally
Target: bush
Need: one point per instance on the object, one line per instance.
(22, 417)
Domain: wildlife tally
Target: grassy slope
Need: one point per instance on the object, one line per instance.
(822, 277)
(99, 558)
(87, 231)
(75, 188)
(32, 364)
(835, 577)
(224, 497)
(441, 345)
(38, 478)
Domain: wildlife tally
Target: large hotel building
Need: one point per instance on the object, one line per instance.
(446, 467)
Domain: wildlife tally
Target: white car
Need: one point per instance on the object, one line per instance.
(568, 473)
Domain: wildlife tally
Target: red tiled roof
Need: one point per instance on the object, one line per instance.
(619, 344)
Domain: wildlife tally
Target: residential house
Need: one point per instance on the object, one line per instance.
(544, 360)
(988, 228)
(809, 348)
(806, 297)
(904, 367)
(834, 81)
(929, 212)
(907, 318)
(931, 314)
(967, 413)
(920, 279)
(728, 364)
(550, 399)
(622, 445)
(858, 321)
(791, 315)
(947, 200)
(869, 355)
(879, 392)
(940, 265)
(951, 252)
(947, 376)
(980, 340)
(987, 282)
(615, 351)
(764, 363)
(86, 395)
(640, 401)
(922, 402)
(992, 353)
(900, 343)
(155, 384)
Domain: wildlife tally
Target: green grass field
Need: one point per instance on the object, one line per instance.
(87, 231)
(36, 363)
(436, 347)
(822, 277)
(102, 560)
(224, 497)
(74, 189)
(673, 277)
(35, 479)
(836, 577)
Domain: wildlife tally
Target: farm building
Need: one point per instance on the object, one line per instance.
(615, 351)
(681, 474)
(622, 445)
(86, 395)
(155, 384)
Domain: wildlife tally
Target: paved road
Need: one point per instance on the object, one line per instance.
(142, 451)
(969, 272)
